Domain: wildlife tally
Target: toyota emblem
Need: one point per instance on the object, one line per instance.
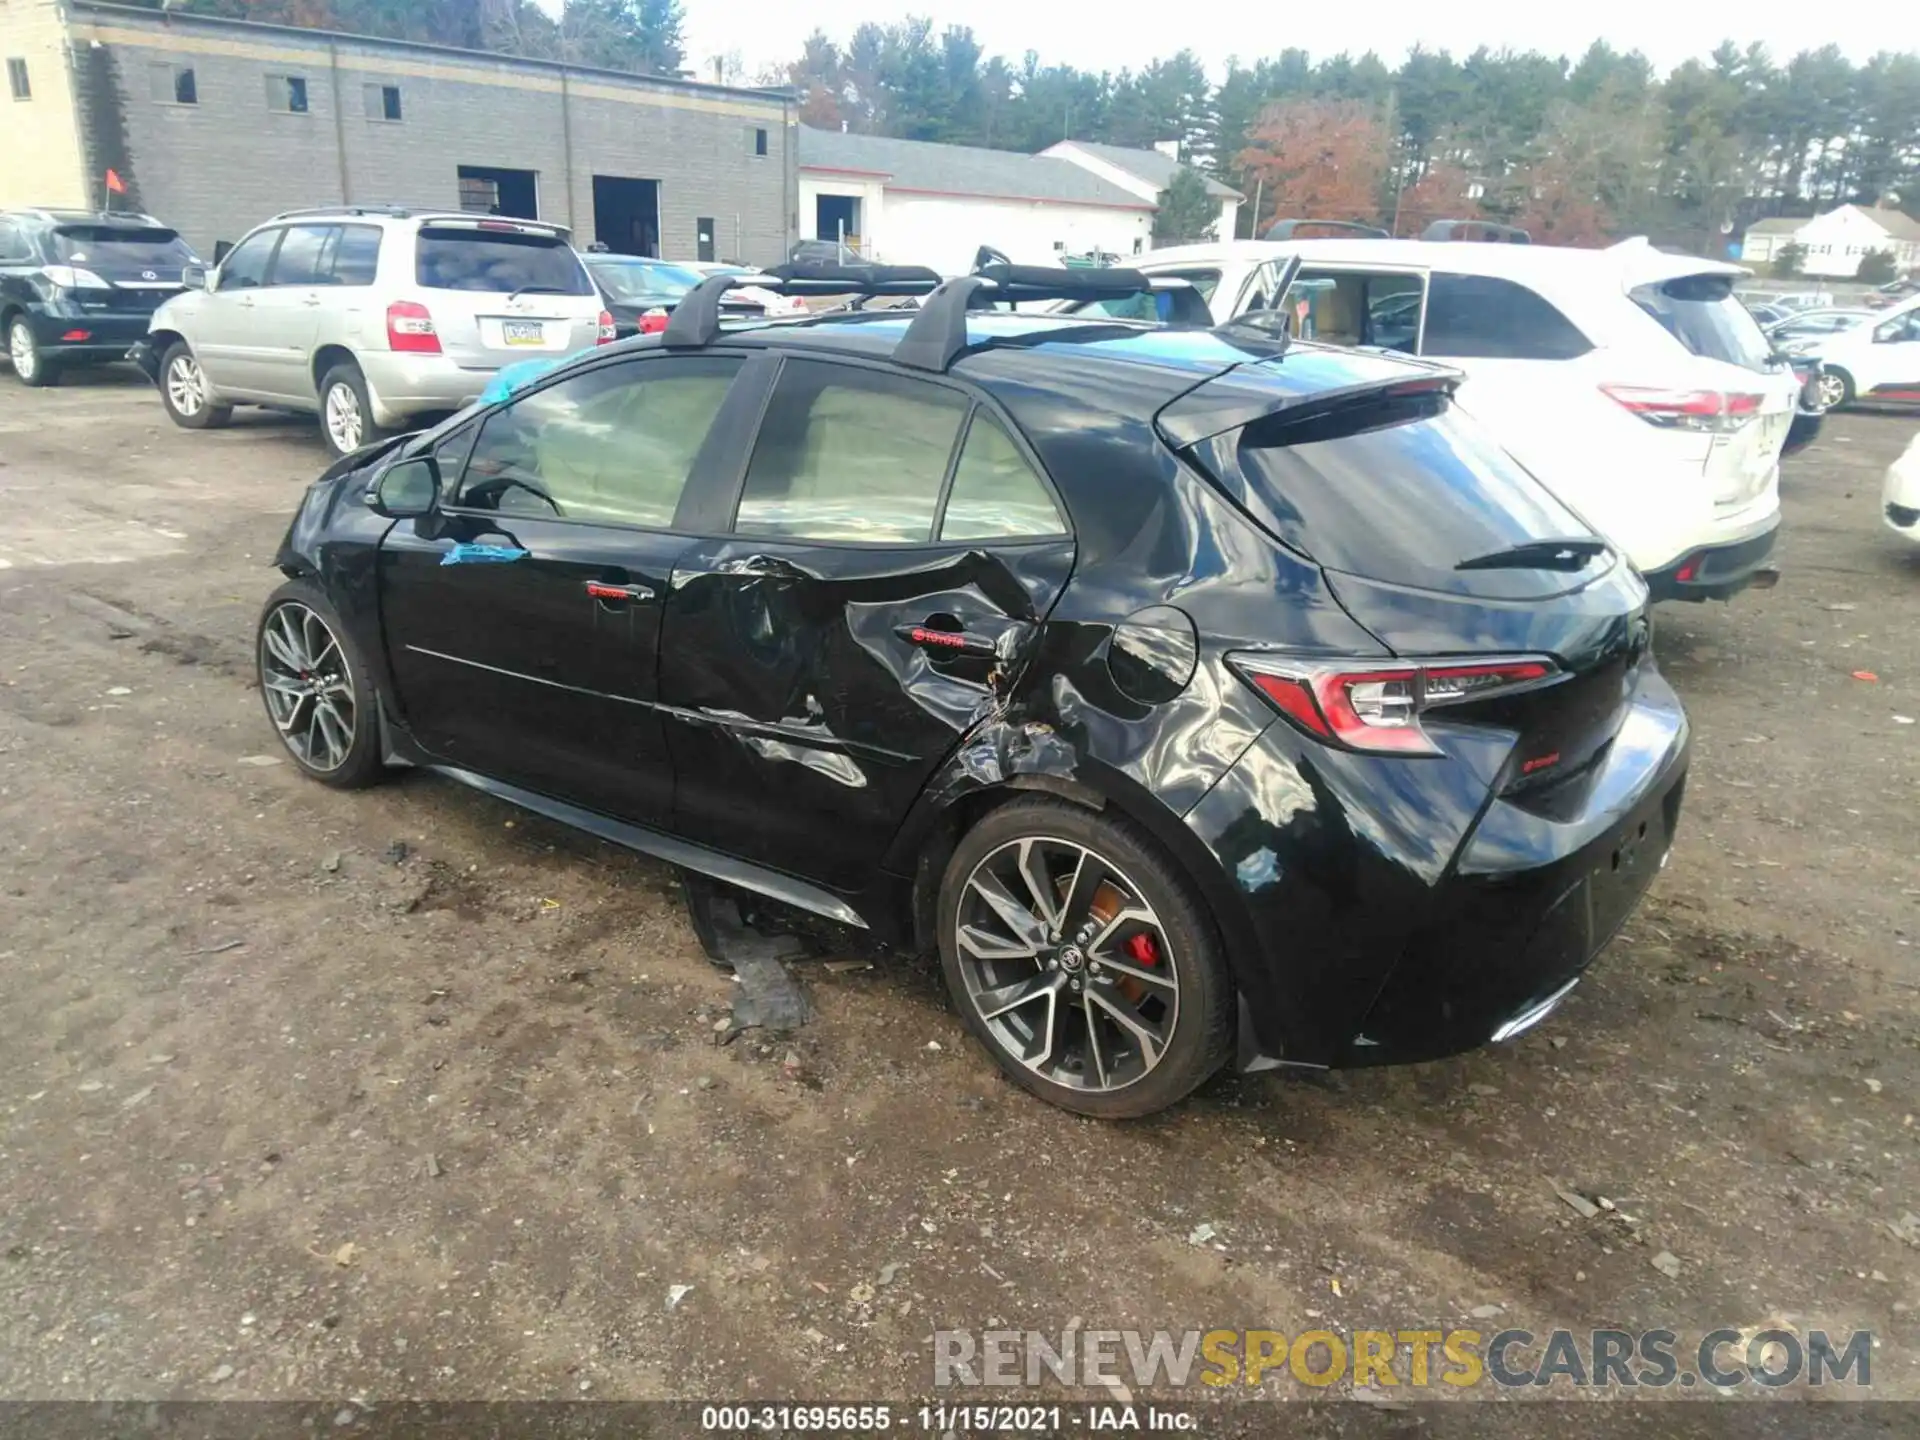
(149, 275)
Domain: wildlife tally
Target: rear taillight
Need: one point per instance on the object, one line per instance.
(1378, 707)
(653, 322)
(1713, 411)
(609, 332)
(410, 329)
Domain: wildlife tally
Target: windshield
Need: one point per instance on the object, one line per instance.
(500, 261)
(103, 248)
(1700, 311)
(635, 282)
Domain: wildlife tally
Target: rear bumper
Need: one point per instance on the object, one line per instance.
(1381, 910)
(106, 336)
(1900, 497)
(1721, 570)
(403, 386)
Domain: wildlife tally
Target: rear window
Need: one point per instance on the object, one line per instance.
(1487, 318)
(634, 283)
(499, 261)
(112, 247)
(1700, 311)
(1403, 491)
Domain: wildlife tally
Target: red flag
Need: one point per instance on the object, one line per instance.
(115, 183)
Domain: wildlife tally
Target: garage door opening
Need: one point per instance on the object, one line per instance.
(626, 214)
(837, 217)
(491, 190)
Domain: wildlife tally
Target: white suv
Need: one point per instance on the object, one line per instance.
(368, 317)
(1630, 381)
(1876, 361)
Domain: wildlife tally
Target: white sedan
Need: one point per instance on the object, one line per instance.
(770, 301)
(1900, 500)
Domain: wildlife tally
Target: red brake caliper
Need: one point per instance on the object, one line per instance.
(1143, 949)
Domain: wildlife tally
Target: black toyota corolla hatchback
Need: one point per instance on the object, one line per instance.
(1197, 695)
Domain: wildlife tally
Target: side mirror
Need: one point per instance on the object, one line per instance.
(194, 277)
(406, 488)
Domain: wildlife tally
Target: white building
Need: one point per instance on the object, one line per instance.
(1146, 173)
(911, 202)
(1835, 243)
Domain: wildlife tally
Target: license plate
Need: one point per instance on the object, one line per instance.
(523, 332)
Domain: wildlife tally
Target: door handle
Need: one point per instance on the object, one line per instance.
(312, 302)
(947, 642)
(601, 590)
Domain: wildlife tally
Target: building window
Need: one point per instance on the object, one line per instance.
(17, 80)
(758, 138)
(174, 85)
(383, 102)
(479, 196)
(287, 94)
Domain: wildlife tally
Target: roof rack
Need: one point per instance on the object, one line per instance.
(395, 212)
(937, 335)
(1285, 229)
(1476, 230)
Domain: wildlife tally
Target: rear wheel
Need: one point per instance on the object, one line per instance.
(1081, 959)
(346, 410)
(30, 364)
(184, 391)
(316, 688)
(1836, 389)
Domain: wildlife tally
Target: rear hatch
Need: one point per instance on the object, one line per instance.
(1746, 403)
(504, 290)
(1438, 543)
(123, 269)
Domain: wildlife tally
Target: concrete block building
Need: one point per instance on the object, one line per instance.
(215, 125)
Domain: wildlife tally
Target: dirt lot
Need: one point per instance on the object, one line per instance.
(405, 1094)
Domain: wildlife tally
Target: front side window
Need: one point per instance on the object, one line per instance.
(301, 260)
(850, 455)
(996, 495)
(614, 446)
(1899, 329)
(246, 267)
(1485, 317)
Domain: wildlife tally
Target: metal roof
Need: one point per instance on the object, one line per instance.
(961, 170)
(1151, 166)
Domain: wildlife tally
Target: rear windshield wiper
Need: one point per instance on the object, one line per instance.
(1565, 553)
(539, 290)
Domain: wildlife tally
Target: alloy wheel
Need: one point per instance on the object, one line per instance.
(22, 351)
(186, 386)
(1067, 964)
(1833, 390)
(343, 420)
(308, 687)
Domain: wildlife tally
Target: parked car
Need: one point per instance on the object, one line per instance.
(823, 252)
(1816, 322)
(1629, 381)
(1767, 316)
(771, 302)
(1878, 361)
(370, 317)
(1900, 496)
(640, 293)
(77, 287)
(1894, 291)
(1197, 695)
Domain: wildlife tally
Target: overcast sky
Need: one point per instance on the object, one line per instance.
(1103, 36)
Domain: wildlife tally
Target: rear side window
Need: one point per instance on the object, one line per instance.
(996, 495)
(1700, 311)
(356, 255)
(500, 261)
(847, 454)
(1402, 491)
(99, 247)
(1483, 317)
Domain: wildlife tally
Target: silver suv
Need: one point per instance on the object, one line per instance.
(368, 317)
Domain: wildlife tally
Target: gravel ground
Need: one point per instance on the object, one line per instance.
(404, 1094)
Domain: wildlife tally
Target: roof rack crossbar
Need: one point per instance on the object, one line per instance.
(938, 334)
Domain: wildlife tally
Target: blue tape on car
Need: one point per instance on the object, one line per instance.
(466, 553)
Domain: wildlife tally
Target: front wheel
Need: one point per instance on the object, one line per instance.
(316, 687)
(30, 365)
(346, 410)
(184, 391)
(1080, 957)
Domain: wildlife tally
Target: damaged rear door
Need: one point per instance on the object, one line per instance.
(894, 550)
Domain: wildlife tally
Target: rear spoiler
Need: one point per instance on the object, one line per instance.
(1254, 391)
